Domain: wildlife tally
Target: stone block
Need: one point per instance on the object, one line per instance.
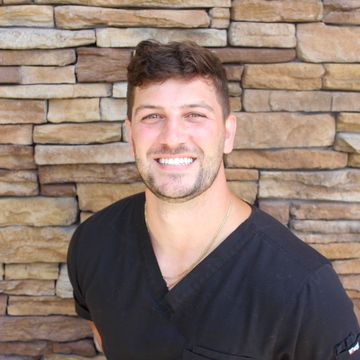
(38, 211)
(262, 35)
(53, 91)
(341, 12)
(18, 177)
(347, 267)
(220, 18)
(241, 174)
(34, 38)
(276, 11)
(1, 271)
(16, 157)
(235, 104)
(27, 15)
(293, 76)
(34, 244)
(58, 57)
(113, 109)
(35, 271)
(256, 100)
(342, 77)
(58, 190)
(323, 238)
(92, 173)
(107, 65)
(276, 130)
(287, 159)
(94, 197)
(48, 75)
(73, 110)
(348, 142)
(354, 160)
(81, 347)
(79, 17)
(348, 122)
(16, 134)
(327, 226)
(234, 89)
(338, 251)
(73, 357)
(346, 101)
(318, 42)
(40, 305)
(3, 305)
(251, 56)
(34, 348)
(22, 111)
(63, 286)
(77, 133)
(84, 215)
(350, 282)
(53, 328)
(143, 3)
(246, 190)
(119, 90)
(26, 188)
(339, 185)
(114, 153)
(234, 72)
(277, 209)
(27, 287)
(325, 210)
(130, 37)
(10, 75)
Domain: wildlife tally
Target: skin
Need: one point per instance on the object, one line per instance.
(178, 135)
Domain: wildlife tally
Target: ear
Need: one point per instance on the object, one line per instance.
(129, 134)
(230, 132)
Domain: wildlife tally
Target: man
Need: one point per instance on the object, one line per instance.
(188, 270)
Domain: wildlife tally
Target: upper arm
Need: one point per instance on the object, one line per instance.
(97, 337)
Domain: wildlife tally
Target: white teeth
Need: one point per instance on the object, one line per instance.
(176, 161)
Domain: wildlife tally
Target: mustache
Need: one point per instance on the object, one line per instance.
(178, 150)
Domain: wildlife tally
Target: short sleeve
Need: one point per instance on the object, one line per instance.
(321, 324)
(73, 261)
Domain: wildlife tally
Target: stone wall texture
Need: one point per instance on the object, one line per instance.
(294, 79)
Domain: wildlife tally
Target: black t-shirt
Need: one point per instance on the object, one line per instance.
(261, 294)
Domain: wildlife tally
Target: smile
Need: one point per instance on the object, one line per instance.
(175, 161)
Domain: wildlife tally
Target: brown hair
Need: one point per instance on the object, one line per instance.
(156, 62)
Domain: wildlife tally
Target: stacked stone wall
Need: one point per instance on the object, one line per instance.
(294, 79)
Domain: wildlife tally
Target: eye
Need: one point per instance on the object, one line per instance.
(194, 116)
(151, 117)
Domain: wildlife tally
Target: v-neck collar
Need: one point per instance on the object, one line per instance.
(171, 300)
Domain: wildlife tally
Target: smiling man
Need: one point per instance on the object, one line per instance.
(187, 270)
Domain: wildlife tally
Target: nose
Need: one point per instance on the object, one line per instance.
(173, 132)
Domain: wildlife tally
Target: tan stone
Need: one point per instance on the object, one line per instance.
(19, 188)
(77, 133)
(348, 142)
(323, 238)
(113, 109)
(276, 130)
(63, 285)
(27, 15)
(1, 272)
(27, 287)
(287, 159)
(256, 100)
(114, 153)
(61, 57)
(246, 190)
(73, 110)
(58, 190)
(348, 122)
(234, 89)
(10, 75)
(19, 176)
(81, 347)
(340, 185)
(338, 14)
(347, 266)
(143, 3)
(94, 197)
(326, 226)
(294, 76)
(37, 211)
(119, 90)
(40, 305)
(220, 18)
(35, 271)
(34, 348)
(241, 174)
(262, 35)
(22, 111)
(16, 134)
(71, 357)
(3, 305)
(234, 72)
(250, 56)
(34, 244)
(16, 157)
(23, 38)
(54, 328)
(351, 282)
(94, 173)
(346, 101)
(78, 17)
(84, 215)
(277, 209)
(111, 37)
(318, 42)
(235, 104)
(55, 91)
(342, 76)
(48, 75)
(276, 11)
(338, 251)
(354, 160)
(325, 210)
(109, 65)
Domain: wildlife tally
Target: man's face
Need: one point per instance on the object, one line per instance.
(178, 136)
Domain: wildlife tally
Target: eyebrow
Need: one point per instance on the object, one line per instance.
(154, 107)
